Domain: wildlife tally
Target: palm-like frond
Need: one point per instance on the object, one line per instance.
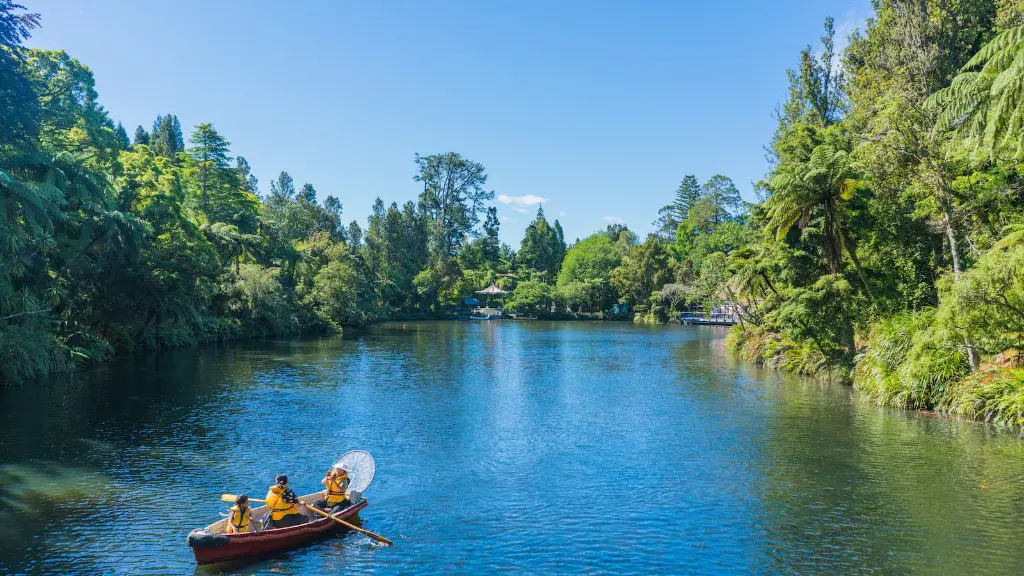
(985, 102)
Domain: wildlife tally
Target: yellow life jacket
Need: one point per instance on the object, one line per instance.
(335, 492)
(278, 507)
(238, 521)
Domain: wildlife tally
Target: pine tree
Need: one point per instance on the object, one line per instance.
(543, 246)
(122, 137)
(141, 136)
(491, 245)
(283, 187)
(210, 152)
(166, 138)
(307, 193)
(221, 193)
(355, 235)
(669, 217)
(246, 177)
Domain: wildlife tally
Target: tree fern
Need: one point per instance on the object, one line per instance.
(984, 104)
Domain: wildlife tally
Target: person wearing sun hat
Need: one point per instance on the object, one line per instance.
(335, 496)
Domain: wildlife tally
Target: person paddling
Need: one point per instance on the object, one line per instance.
(283, 504)
(335, 496)
(240, 518)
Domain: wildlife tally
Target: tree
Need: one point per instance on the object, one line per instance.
(166, 137)
(249, 181)
(723, 197)
(396, 252)
(491, 244)
(452, 199)
(122, 137)
(19, 105)
(215, 184)
(282, 189)
(819, 181)
(530, 297)
(670, 216)
(589, 263)
(355, 235)
(141, 136)
(822, 82)
(307, 193)
(71, 119)
(985, 101)
(542, 247)
(330, 218)
(643, 271)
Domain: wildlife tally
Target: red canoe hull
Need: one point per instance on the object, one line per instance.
(255, 544)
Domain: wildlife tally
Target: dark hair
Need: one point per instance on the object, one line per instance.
(242, 499)
(282, 479)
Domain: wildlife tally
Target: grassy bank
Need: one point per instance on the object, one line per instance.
(904, 365)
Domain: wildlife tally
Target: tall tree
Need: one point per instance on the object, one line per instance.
(541, 247)
(141, 136)
(19, 105)
(122, 137)
(452, 199)
(822, 79)
(355, 235)
(671, 215)
(722, 195)
(246, 177)
(643, 270)
(307, 193)
(166, 138)
(491, 247)
(215, 184)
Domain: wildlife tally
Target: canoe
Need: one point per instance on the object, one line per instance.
(212, 544)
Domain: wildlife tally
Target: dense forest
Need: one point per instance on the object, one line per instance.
(885, 249)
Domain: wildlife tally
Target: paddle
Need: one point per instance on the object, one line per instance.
(377, 537)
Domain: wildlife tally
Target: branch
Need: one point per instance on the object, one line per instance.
(40, 311)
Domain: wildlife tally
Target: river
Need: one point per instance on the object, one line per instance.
(501, 447)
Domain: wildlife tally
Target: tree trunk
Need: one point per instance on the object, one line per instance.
(857, 266)
(954, 255)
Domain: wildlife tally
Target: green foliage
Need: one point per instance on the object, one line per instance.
(643, 270)
(531, 297)
(543, 246)
(585, 278)
(452, 199)
(256, 298)
(671, 215)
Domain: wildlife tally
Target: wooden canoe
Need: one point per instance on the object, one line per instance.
(212, 544)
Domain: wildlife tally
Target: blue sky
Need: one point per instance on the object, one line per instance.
(599, 108)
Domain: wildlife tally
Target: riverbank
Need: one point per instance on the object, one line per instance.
(940, 383)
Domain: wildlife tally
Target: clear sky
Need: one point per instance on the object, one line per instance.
(597, 107)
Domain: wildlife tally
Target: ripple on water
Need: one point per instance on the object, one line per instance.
(505, 447)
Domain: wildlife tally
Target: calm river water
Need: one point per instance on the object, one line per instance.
(505, 447)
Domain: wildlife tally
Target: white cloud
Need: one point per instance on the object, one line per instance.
(561, 214)
(524, 200)
(504, 218)
(613, 220)
(520, 209)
